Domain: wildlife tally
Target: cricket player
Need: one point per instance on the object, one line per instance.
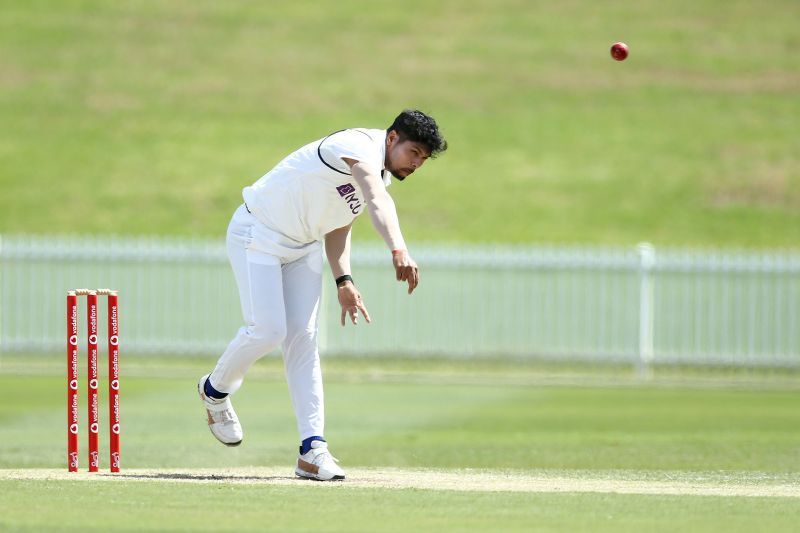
(275, 242)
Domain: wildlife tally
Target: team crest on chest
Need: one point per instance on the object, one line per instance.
(348, 192)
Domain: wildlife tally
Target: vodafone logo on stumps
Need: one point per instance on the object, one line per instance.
(73, 428)
(73, 384)
(115, 384)
(115, 429)
(73, 340)
(93, 384)
(114, 340)
(92, 339)
(94, 428)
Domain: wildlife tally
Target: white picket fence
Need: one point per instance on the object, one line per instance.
(636, 305)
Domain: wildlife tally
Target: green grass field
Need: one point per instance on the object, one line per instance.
(138, 117)
(145, 117)
(621, 458)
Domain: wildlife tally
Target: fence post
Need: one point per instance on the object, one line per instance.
(647, 260)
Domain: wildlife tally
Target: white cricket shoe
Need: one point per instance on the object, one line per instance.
(318, 463)
(222, 419)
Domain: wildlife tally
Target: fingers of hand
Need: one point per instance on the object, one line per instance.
(351, 302)
(364, 312)
(413, 279)
(407, 270)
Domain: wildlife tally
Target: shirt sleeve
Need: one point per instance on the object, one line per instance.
(351, 144)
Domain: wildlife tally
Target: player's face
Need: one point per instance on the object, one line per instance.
(404, 157)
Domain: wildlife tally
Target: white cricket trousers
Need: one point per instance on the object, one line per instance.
(280, 295)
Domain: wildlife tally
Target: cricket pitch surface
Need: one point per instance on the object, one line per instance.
(624, 482)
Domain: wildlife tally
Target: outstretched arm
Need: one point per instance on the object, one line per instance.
(383, 214)
(337, 248)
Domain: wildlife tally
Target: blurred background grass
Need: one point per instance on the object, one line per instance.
(149, 117)
(135, 117)
(430, 414)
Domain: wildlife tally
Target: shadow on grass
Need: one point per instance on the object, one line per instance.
(205, 477)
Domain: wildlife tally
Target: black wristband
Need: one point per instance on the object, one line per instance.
(342, 279)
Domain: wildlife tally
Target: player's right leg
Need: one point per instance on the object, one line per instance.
(258, 277)
(302, 284)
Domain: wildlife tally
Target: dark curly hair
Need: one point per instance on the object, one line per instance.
(414, 125)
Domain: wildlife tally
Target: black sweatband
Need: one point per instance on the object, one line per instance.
(342, 279)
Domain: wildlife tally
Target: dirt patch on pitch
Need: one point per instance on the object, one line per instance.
(688, 484)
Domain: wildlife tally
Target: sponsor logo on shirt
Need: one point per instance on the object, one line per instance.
(348, 192)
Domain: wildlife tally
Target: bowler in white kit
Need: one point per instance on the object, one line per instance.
(275, 243)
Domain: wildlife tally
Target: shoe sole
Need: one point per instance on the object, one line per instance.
(228, 444)
(313, 477)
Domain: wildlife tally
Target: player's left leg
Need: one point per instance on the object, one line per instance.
(302, 285)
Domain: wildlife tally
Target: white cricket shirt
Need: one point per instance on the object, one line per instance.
(311, 192)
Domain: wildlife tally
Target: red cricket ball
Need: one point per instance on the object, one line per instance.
(619, 51)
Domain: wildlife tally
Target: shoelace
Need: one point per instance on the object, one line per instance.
(221, 417)
(320, 457)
